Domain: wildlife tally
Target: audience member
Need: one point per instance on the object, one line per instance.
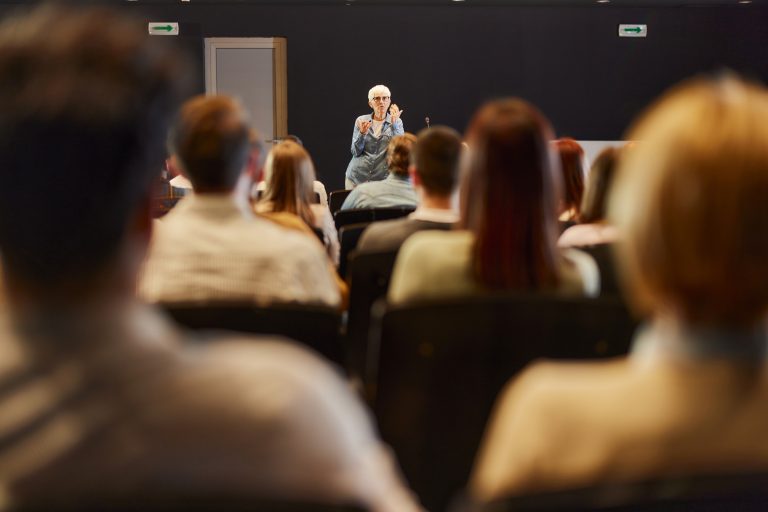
(572, 164)
(102, 399)
(211, 246)
(508, 219)
(434, 171)
(289, 189)
(690, 204)
(593, 228)
(318, 187)
(396, 189)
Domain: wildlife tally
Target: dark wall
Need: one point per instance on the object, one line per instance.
(443, 61)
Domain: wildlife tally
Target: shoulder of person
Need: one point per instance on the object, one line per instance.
(428, 238)
(378, 230)
(586, 268)
(422, 250)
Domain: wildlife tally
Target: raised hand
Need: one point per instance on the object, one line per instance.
(395, 112)
(363, 126)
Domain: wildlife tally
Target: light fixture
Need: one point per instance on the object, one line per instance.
(603, 1)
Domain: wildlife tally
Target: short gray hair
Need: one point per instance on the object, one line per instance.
(378, 88)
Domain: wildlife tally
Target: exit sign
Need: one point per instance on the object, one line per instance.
(633, 30)
(163, 28)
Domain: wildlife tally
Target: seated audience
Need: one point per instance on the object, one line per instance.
(593, 228)
(317, 186)
(507, 239)
(104, 401)
(396, 189)
(572, 165)
(211, 246)
(690, 204)
(434, 171)
(289, 190)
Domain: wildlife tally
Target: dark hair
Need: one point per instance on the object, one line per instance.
(212, 139)
(509, 198)
(85, 98)
(399, 153)
(291, 178)
(572, 165)
(436, 157)
(595, 202)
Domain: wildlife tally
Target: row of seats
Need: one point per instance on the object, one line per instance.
(421, 365)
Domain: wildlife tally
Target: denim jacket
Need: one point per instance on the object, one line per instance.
(390, 192)
(369, 153)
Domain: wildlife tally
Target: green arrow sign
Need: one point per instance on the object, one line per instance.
(163, 28)
(633, 30)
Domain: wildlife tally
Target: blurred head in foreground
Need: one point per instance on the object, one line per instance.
(84, 114)
(691, 200)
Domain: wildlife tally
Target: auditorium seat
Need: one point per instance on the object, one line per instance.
(435, 369)
(317, 327)
(189, 502)
(336, 199)
(699, 493)
(368, 277)
(344, 217)
(349, 235)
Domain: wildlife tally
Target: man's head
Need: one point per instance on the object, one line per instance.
(85, 97)
(211, 138)
(435, 157)
(399, 154)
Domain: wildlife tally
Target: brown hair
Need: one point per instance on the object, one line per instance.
(572, 165)
(291, 177)
(212, 139)
(86, 100)
(509, 197)
(436, 156)
(690, 199)
(399, 153)
(595, 201)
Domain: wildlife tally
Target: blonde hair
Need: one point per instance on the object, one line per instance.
(291, 175)
(692, 201)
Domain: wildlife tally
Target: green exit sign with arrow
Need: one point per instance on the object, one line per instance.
(633, 30)
(164, 29)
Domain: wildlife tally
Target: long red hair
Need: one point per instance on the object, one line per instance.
(510, 197)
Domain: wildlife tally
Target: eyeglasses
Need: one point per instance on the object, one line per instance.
(380, 98)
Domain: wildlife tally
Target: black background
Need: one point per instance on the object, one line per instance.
(443, 61)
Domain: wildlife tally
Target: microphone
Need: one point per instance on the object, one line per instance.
(426, 120)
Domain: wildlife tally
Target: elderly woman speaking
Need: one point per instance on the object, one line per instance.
(371, 137)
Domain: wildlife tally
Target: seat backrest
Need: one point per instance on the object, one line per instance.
(315, 326)
(747, 492)
(369, 275)
(344, 217)
(188, 502)
(438, 368)
(349, 235)
(336, 199)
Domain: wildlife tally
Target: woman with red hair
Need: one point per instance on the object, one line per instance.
(572, 165)
(510, 197)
